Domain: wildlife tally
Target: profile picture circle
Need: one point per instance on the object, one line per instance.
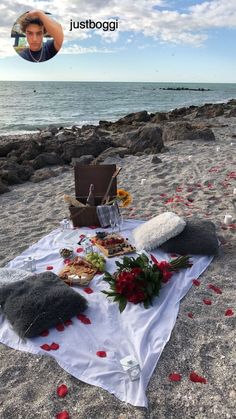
(37, 36)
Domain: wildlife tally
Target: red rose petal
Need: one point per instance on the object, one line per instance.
(60, 327)
(229, 312)
(82, 236)
(101, 354)
(217, 290)
(49, 268)
(92, 227)
(168, 201)
(79, 250)
(62, 390)
(196, 282)
(84, 319)
(175, 377)
(195, 378)
(88, 290)
(190, 315)
(44, 333)
(45, 347)
(54, 346)
(67, 261)
(80, 316)
(68, 322)
(207, 301)
(63, 415)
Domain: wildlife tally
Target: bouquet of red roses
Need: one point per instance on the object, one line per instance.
(139, 280)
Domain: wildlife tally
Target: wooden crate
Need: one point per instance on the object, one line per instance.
(99, 176)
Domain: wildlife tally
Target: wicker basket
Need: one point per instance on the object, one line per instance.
(99, 176)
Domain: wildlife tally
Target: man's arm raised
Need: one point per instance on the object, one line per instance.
(53, 28)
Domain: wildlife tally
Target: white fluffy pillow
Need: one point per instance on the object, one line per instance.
(158, 230)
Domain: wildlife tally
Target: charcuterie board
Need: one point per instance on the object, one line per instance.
(112, 244)
(77, 271)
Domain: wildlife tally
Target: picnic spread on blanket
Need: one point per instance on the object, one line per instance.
(102, 299)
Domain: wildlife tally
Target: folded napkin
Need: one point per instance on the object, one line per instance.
(106, 213)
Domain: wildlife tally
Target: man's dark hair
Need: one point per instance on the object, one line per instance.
(26, 21)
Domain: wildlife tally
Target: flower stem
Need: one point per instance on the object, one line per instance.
(180, 262)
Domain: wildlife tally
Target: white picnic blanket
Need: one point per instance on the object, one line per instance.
(142, 333)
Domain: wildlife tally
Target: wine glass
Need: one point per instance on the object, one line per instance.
(120, 221)
(113, 222)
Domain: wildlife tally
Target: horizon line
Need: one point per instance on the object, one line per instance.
(119, 81)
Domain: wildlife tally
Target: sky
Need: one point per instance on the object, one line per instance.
(156, 41)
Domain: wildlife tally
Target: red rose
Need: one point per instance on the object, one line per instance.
(166, 276)
(123, 280)
(164, 266)
(129, 289)
(125, 287)
(136, 271)
(136, 298)
(124, 277)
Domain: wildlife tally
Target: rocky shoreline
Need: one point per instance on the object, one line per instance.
(51, 151)
(199, 89)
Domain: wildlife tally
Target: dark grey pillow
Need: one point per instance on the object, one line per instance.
(197, 238)
(38, 303)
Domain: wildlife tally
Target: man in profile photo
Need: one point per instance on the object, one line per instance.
(35, 24)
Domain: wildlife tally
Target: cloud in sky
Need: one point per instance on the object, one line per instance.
(77, 49)
(160, 20)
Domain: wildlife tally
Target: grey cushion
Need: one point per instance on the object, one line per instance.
(197, 238)
(38, 303)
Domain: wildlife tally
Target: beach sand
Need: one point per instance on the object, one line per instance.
(198, 172)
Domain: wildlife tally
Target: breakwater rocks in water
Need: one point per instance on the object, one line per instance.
(199, 89)
(31, 157)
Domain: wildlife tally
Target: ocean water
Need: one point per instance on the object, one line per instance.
(28, 106)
